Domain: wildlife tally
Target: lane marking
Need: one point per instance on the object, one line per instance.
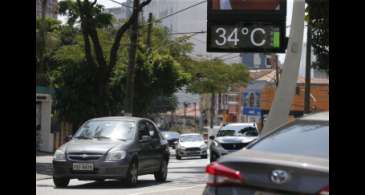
(171, 189)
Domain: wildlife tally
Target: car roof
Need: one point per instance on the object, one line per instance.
(320, 116)
(189, 134)
(240, 124)
(120, 118)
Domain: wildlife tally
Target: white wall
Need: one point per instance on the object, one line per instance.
(46, 144)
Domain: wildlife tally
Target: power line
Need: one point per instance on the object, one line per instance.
(181, 33)
(179, 11)
(121, 4)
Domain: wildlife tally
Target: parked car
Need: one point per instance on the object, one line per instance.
(112, 148)
(232, 137)
(293, 159)
(171, 137)
(191, 144)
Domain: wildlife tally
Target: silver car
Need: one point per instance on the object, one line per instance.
(292, 159)
(191, 144)
(232, 137)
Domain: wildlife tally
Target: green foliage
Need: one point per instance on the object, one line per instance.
(157, 77)
(214, 76)
(319, 10)
(70, 9)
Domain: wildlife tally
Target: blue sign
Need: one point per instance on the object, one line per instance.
(251, 103)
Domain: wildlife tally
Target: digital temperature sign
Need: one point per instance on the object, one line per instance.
(246, 26)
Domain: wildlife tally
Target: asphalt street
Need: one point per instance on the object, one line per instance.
(185, 176)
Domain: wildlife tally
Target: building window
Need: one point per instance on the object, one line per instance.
(297, 90)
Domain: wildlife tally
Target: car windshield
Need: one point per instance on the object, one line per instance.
(117, 130)
(171, 135)
(230, 130)
(299, 138)
(191, 138)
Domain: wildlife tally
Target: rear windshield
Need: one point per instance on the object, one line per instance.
(308, 138)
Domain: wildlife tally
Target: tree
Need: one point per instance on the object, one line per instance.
(319, 21)
(157, 77)
(214, 76)
(91, 17)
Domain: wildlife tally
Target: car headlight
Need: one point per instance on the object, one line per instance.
(203, 147)
(116, 155)
(59, 155)
(181, 147)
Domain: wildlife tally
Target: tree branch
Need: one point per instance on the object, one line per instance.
(85, 35)
(121, 31)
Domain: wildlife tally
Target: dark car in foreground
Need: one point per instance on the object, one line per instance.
(292, 159)
(232, 137)
(172, 137)
(112, 148)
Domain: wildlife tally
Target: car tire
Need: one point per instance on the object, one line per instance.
(178, 157)
(100, 180)
(204, 156)
(161, 174)
(132, 175)
(61, 182)
(213, 157)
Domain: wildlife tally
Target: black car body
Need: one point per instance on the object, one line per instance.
(112, 148)
(232, 137)
(292, 159)
(172, 137)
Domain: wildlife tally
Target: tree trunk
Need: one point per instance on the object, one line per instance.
(212, 110)
(132, 64)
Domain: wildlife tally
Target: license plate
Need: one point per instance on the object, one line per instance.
(83, 166)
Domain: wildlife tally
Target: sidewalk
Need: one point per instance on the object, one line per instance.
(44, 168)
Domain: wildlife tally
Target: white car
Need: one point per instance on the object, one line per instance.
(191, 144)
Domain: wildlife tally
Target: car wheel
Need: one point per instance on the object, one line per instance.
(99, 180)
(204, 156)
(132, 175)
(178, 157)
(213, 157)
(161, 174)
(61, 182)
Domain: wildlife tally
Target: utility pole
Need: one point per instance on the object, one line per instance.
(185, 106)
(308, 65)
(132, 63)
(149, 35)
(212, 110)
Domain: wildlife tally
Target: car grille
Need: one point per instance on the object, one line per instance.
(192, 149)
(84, 156)
(235, 146)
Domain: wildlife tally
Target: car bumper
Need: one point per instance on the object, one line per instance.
(102, 170)
(237, 190)
(192, 153)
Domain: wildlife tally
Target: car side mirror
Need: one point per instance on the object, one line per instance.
(211, 137)
(145, 138)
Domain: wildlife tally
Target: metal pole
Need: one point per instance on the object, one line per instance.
(308, 67)
(285, 92)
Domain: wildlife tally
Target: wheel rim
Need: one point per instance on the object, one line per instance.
(133, 173)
